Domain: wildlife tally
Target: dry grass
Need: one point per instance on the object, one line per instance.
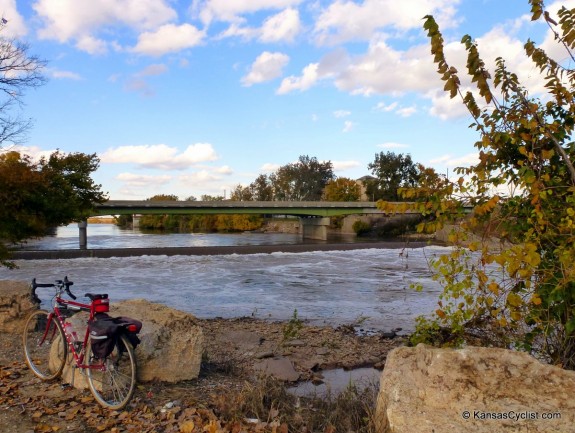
(268, 401)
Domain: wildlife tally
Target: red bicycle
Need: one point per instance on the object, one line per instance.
(105, 353)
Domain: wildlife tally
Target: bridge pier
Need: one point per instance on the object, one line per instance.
(136, 221)
(314, 228)
(83, 229)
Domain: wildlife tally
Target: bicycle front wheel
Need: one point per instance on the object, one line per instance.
(45, 348)
(112, 379)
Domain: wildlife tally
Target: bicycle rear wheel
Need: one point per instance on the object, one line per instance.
(45, 348)
(112, 380)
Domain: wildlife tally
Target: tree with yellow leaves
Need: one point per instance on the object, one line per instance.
(519, 293)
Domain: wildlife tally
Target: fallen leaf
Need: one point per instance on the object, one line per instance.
(187, 427)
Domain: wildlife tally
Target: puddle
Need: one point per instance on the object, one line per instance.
(337, 380)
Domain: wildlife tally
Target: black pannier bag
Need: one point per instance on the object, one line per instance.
(131, 328)
(104, 331)
(103, 335)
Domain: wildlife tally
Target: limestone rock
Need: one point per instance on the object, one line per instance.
(15, 306)
(171, 341)
(426, 389)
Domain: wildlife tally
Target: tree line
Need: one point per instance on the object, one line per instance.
(311, 180)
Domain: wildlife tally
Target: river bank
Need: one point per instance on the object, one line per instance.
(228, 394)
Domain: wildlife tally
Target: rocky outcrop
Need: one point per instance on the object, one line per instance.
(15, 306)
(426, 389)
(171, 341)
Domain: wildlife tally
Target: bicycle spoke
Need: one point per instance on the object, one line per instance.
(114, 386)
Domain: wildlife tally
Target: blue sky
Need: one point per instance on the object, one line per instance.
(195, 97)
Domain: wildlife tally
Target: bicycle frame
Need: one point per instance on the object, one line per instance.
(56, 314)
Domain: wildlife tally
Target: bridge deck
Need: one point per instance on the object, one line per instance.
(306, 208)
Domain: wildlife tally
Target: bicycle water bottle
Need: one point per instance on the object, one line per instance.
(69, 330)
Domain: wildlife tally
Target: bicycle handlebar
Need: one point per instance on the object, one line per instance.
(59, 283)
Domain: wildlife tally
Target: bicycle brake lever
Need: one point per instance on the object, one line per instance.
(70, 293)
(67, 284)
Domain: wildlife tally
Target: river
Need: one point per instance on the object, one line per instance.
(369, 286)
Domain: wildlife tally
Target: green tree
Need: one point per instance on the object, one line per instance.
(301, 181)
(207, 197)
(163, 197)
(342, 189)
(242, 193)
(164, 221)
(39, 195)
(521, 295)
(262, 189)
(392, 172)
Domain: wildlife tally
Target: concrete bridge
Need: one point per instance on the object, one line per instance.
(295, 208)
(314, 215)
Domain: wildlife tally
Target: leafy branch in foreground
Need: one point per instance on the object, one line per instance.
(518, 292)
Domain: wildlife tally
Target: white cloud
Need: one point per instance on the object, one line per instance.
(167, 39)
(152, 70)
(407, 111)
(444, 107)
(238, 30)
(395, 108)
(161, 156)
(283, 26)
(224, 169)
(341, 113)
(381, 70)
(265, 68)
(460, 161)
(137, 83)
(91, 45)
(15, 27)
(348, 126)
(345, 165)
(392, 145)
(200, 178)
(55, 73)
(226, 10)
(63, 20)
(382, 106)
(140, 180)
(384, 70)
(269, 167)
(308, 78)
(345, 20)
(35, 152)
